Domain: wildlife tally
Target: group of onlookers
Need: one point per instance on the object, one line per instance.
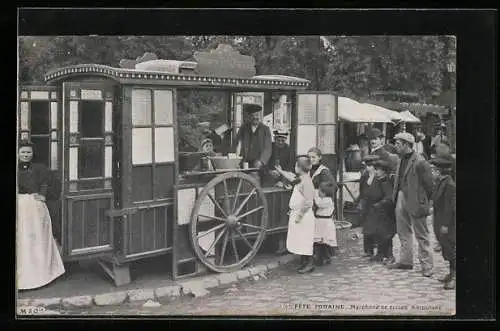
(396, 194)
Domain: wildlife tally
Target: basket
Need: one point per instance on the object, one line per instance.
(223, 162)
(343, 233)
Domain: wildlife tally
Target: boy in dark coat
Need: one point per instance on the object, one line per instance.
(444, 200)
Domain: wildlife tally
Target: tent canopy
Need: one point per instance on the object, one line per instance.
(393, 115)
(353, 111)
(408, 117)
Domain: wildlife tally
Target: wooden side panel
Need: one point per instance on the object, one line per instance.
(148, 230)
(88, 226)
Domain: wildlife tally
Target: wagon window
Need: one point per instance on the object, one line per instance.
(92, 119)
(153, 145)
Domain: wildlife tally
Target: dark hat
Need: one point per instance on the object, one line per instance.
(251, 108)
(374, 134)
(382, 164)
(442, 162)
(278, 133)
(370, 159)
(25, 143)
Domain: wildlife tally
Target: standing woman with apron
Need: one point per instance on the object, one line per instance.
(325, 231)
(38, 260)
(300, 236)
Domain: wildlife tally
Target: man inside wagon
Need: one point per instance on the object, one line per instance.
(254, 139)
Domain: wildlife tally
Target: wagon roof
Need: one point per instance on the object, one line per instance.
(135, 76)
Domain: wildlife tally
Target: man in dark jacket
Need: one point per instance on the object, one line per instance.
(254, 139)
(281, 155)
(413, 187)
(444, 202)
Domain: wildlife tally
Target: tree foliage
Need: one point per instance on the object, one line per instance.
(353, 66)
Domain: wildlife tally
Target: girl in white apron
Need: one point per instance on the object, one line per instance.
(300, 236)
(38, 258)
(325, 231)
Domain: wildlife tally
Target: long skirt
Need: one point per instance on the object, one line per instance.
(300, 236)
(325, 231)
(38, 258)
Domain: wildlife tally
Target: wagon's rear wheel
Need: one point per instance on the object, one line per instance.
(229, 221)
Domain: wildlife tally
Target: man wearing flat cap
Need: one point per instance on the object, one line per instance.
(413, 188)
(444, 203)
(281, 155)
(254, 138)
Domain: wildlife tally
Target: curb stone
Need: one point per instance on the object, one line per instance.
(49, 302)
(110, 299)
(227, 278)
(168, 292)
(141, 295)
(243, 274)
(196, 288)
(78, 301)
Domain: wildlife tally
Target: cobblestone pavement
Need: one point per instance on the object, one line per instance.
(351, 285)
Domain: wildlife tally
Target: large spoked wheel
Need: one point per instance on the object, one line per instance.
(229, 221)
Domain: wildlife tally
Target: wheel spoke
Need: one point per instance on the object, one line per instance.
(220, 226)
(250, 212)
(235, 249)
(235, 201)
(244, 238)
(245, 201)
(224, 245)
(212, 217)
(215, 242)
(252, 226)
(226, 197)
(217, 204)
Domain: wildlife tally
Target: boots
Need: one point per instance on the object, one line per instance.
(303, 262)
(450, 285)
(445, 279)
(309, 267)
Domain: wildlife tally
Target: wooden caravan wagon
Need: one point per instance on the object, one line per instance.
(131, 189)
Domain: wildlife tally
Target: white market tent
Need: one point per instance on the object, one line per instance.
(394, 115)
(353, 111)
(408, 117)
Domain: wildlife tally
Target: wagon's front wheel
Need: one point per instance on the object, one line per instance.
(229, 221)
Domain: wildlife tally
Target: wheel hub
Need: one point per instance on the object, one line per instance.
(232, 220)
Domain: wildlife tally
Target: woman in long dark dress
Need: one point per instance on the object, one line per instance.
(38, 258)
(325, 232)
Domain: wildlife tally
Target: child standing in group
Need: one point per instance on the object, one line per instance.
(324, 227)
(444, 204)
(300, 236)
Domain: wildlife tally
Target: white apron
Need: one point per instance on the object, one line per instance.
(300, 236)
(38, 258)
(325, 231)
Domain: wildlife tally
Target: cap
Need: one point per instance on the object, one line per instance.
(251, 108)
(278, 133)
(442, 162)
(374, 134)
(405, 136)
(370, 159)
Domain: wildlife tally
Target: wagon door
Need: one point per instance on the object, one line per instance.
(149, 172)
(88, 168)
